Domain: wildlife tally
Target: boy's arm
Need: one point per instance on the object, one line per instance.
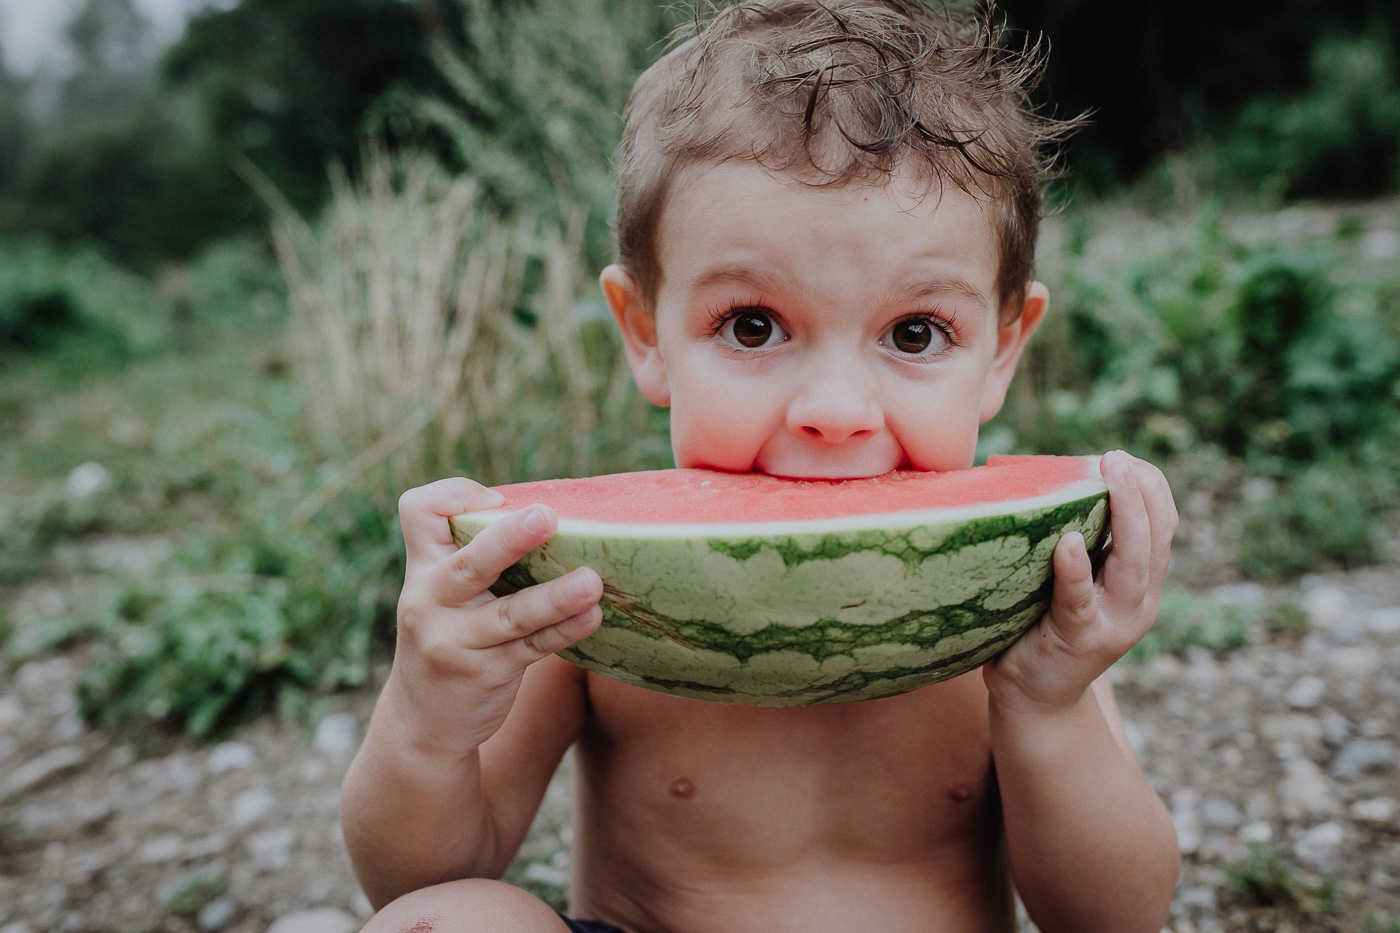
(1092, 847)
(476, 713)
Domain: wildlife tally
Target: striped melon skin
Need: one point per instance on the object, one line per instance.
(811, 615)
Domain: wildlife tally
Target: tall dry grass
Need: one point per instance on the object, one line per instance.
(433, 338)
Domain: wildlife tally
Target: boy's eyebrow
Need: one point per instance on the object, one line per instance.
(943, 285)
(925, 288)
(742, 275)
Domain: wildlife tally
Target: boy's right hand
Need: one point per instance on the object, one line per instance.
(461, 652)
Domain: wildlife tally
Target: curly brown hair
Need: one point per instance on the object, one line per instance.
(830, 92)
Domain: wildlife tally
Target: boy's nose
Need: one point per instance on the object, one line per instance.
(835, 410)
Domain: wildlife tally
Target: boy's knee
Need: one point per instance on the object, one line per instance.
(472, 905)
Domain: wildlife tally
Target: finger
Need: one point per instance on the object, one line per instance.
(1074, 605)
(524, 613)
(1161, 516)
(474, 568)
(424, 511)
(1126, 572)
(557, 637)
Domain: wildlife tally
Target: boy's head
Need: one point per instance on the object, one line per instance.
(826, 218)
(833, 92)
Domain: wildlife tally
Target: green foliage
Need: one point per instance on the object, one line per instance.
(48, 296)
(1187, 621)
(1325, 513)
(1339, 139)
(238, 623)
(290, 86)
(1265, 879)
(537, 96)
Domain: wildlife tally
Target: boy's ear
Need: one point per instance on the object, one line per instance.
(1011, 340)
(637, 324)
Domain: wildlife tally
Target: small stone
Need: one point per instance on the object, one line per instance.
(207, 846)
(338, 735)
(1384, 623)
(52, 764)
(1306, 692)
(1297, 729)
(229, 756)
(216, 914)
(1231, 757)
(1379, 810)
(251, 806)
(316, 920)
(1360, 756)
(10, 714)
(1319, 845)
(272, 848)
(1326, 605)
(86, 480)
(1246, 595)
(1305, 791)
(1358, 663)
(164, 848)
(1219, 813)
(1201, 898)
(1257, 832)
(1335, 728)
(1381, 246)
(19, 926)
(1186, 821)
(545, 873)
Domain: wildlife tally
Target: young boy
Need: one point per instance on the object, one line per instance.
(827, 214)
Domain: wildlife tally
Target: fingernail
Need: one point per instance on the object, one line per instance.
(580, 585)
(535, 522)
(493, 498)
(1076, 546)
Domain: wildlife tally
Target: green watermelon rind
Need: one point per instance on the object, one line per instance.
(805, 618)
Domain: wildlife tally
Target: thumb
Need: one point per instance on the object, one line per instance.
(1074, 604)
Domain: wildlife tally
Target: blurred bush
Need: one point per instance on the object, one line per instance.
(422, 352)
(537, 93)
(1168, 78)
(1193, 345)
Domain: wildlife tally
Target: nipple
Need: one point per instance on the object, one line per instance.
(682, 787)
(959, 792)
(426, 925)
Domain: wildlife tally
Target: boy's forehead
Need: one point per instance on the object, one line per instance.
(735, 220)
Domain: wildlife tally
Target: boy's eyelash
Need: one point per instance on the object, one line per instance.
(724, 313)
(937, 323)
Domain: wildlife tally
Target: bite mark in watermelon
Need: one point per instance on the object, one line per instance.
(750, 589)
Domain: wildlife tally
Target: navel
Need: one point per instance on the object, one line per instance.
(682, 787)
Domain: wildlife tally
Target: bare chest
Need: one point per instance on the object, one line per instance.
(895, 780)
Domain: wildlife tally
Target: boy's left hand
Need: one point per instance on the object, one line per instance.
(1089, 626)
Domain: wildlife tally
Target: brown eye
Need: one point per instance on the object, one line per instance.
(752, 330)
(917, 337)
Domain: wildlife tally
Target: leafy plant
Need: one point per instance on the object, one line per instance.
(1187, 620)
(537, 93)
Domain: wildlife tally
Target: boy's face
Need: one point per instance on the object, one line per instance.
(822, 332)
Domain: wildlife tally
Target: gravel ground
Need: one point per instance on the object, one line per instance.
(1288, 745)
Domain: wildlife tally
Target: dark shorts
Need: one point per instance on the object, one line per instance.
(589, 926)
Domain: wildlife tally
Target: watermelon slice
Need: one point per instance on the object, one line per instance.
(746, 588)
